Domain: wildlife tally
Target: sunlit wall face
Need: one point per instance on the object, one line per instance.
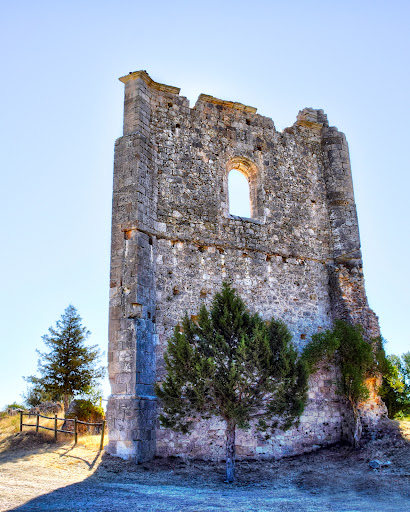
(239, 202)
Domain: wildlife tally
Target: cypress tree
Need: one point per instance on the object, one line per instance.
(233, 365)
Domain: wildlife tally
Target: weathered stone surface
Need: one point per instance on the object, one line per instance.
(173, 243)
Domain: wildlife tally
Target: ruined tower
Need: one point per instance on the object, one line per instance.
(174, 242)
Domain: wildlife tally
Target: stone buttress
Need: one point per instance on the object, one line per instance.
(174, 242)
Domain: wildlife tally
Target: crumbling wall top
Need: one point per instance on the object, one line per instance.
(224, 103)
(149, 81)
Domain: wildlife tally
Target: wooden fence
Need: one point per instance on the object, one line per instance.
(55, 429)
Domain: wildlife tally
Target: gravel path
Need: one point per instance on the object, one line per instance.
(39, 476)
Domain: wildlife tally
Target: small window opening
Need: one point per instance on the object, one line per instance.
(239, 199)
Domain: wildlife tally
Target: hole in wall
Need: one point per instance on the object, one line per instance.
(239, 196)
(128, 234)
(150, 241)
(268, 258)
(203, 293)
(313, 201)
(201, 248)
(175, 291)
(221, 251)
(177, 125)
(303, 336)
(284, 260)
(149, 315)
(170, 105)
(248, 122)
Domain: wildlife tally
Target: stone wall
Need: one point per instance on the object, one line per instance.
(174, 242)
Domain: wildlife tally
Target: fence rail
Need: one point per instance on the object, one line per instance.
(74, 432)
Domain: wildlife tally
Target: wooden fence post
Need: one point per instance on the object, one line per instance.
(75, 430)
(21, 421)
(37, 423)
(55, 427)
(102, 435)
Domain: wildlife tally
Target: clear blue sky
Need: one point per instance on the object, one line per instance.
(62, 110)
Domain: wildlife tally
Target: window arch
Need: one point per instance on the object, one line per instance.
(249, 170)
(238, 192)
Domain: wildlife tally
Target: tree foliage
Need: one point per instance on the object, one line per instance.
(69, 368)
(233, 365)
(356, 360)
(395, 389)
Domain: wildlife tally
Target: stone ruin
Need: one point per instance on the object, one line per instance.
(174, 242)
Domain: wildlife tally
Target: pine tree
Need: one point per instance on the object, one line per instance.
(69, 367)
(233, 365)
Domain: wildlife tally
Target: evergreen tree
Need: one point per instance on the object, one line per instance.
(233, 365)
(69, 367)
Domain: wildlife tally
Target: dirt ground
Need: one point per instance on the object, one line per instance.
(38, 475)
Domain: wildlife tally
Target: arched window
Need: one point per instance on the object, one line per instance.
(239, 200)
(242, 185)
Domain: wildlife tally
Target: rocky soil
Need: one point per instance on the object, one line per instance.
(38, 475)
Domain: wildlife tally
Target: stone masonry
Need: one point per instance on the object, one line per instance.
(174, 242)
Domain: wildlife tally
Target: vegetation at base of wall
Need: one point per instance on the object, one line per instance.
(395, 388)
(355, 357)
(69, 368)
(235, 366)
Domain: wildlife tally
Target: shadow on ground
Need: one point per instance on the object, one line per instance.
(334, 479)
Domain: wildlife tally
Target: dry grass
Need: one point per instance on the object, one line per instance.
(405, 428)
(10, 425)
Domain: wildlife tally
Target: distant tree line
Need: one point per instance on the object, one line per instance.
(395, 389)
